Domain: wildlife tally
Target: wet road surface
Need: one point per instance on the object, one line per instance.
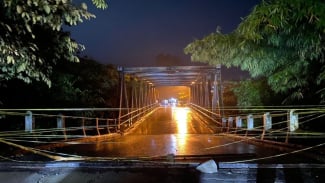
(171, 131)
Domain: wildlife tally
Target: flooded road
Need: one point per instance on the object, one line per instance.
(169, 131)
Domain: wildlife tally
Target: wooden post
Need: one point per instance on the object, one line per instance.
(29, 122)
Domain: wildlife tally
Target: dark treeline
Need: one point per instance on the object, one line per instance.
(84, 84)
(87, 84)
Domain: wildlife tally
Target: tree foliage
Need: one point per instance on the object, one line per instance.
(32, 39)
(282, 40)
(252, 93)
(84, 84)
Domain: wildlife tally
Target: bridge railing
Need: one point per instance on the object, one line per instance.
(207, 113)
(135, 114)
(44, 125)
(280, 125)
(286, 126)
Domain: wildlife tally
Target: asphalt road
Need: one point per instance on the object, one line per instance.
(173, 132)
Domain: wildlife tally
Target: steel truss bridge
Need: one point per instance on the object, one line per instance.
(39, 131)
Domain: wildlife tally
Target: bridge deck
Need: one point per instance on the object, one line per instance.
(179, 133)
(172, 135)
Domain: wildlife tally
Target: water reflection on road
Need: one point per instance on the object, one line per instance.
(167, 131)
(181, 116)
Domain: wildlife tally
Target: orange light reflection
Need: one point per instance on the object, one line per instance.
(180, 115)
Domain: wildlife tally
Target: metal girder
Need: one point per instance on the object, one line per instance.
(171, 76)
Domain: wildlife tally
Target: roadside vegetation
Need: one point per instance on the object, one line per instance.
(281, 43)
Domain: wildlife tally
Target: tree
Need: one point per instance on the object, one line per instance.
(252, 93)
(84, 84)
(32, 39)
(282, 40)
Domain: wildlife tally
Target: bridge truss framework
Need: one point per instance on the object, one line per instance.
(204, 82)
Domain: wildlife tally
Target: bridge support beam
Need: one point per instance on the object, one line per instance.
(216, 91)
(201, 92)
(121, 84)
(206, 93)
(215, 95)
(197, 94)
(133, 98)
(136, 96)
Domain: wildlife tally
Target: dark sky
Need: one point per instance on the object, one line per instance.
(135, 32)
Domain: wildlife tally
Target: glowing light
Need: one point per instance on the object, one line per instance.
(181, 119)
(180, 115)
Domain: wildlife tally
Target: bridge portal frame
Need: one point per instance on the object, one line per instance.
(135, 95)
(206, 91)
(204, 82)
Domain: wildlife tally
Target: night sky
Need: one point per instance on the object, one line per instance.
(149, 32)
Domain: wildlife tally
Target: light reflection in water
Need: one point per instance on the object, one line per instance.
(180, 116)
